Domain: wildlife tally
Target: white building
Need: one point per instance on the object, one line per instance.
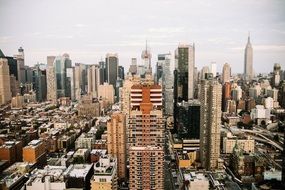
(229, 142)
(49, 178)
(105, 174)
(85, 141)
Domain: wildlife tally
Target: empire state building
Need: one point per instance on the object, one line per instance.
(248, 54)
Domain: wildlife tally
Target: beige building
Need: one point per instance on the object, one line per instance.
(210, 121)
(105, 174)
(51, 80)
(17, 101)
(116, 139)
(88, 107)
(226, 76)
(5, 90)
(106, 91)
(229, 142)
(146, 167)
(93, 77)
(146, 137)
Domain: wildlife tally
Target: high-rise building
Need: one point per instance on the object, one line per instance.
(70, 76)
(204, 71)
(121, 72)
(5, 90)
(20, 57)
(133, 66)
(93, 77)
(214, 69)
(112, 62)
(248, 61)
(166, 82)
(146, 137)
(189, 120)
(210, 121)
(116, 131)
(61, 63)
(146, 60)
(40, 82)
(226, 95)
(183, 76)
(276, 75)
(226, 73)
(51, 79)
(102, 71)
(106, 92)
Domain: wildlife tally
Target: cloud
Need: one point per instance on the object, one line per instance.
(6, 39)
(80, 25)
(269, 48)
(168, 30)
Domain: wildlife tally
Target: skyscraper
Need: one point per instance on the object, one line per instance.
(146, 137)
(146, 60)
(210, 120)
(167, 82)
(20, 57)
(40, 82)
(226, 76)
(112, 63)
(248, 61)
(183, 77)
(5, 91)
(121, 72)
(214, 69)
(116, 138)
(51, 79)
(61, 63)
(93, 77)
(185, 64)
(70, 75)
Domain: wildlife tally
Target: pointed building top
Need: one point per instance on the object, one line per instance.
(248, 38)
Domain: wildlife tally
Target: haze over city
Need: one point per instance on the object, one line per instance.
(87, 30)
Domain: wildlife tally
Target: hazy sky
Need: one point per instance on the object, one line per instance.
(88, 29)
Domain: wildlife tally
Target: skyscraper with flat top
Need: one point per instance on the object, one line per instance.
(116, 135)
(5, 90)
(210, 121)
(226, 76)
(112, 63)
(248, 57)
(146, 137)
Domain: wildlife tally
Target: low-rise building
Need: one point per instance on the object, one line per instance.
(35, 152)
(49, 178)
(79, 175)
(85, 140)
(105, 174)
(229, 142)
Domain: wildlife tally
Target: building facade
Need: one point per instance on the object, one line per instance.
(210, 121)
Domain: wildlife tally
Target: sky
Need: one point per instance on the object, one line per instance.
(89, 29)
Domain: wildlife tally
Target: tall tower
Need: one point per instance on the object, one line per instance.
(51, 79)
(226, 76)
(116, 134)
(248, 58)
(210, 114)
(183, 77)
(112, 63)
(146, 137)
(93, 78)
(146, 59)
(5, 90)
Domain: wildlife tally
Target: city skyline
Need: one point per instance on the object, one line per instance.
(91, 33)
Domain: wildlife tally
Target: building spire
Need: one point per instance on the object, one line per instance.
(248, 38)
